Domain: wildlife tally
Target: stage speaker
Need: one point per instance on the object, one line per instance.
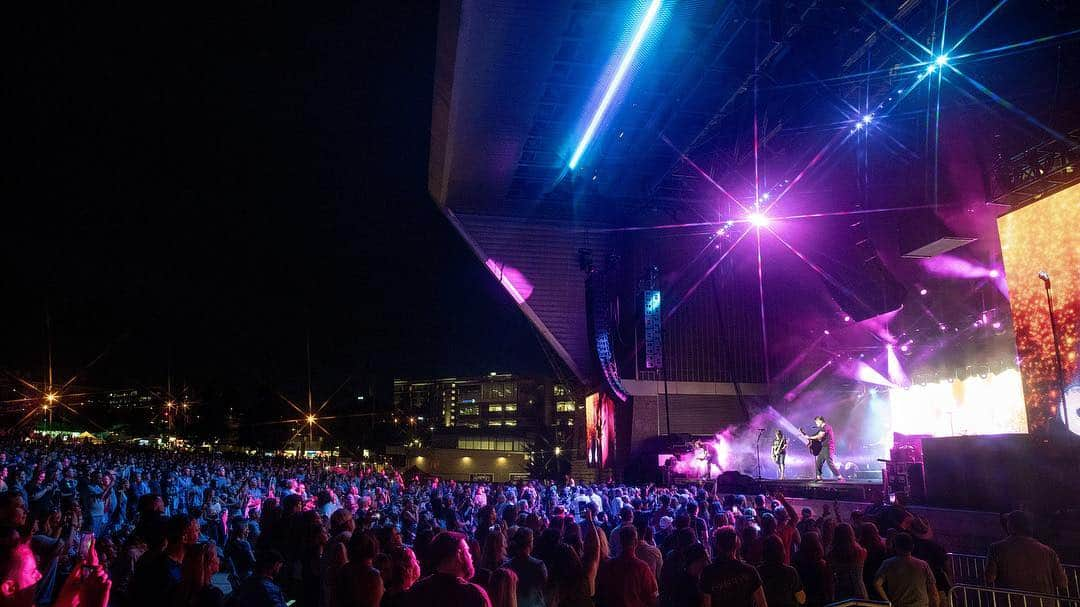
(917, 483)
(908, 478)
(733, 481)
(999, 473)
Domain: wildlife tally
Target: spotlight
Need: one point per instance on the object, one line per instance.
(941, 60)
(922, 291)
(904, 347)
(765, 196)
(847, 319)
(827, 332)
(867, 118)
(858, 126)
(930, 68)
(994, 273)
(759, 220)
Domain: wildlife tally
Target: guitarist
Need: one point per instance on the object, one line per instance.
(779, 452)
(827, 449)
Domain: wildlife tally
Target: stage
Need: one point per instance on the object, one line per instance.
(960, 530)
(828, 490)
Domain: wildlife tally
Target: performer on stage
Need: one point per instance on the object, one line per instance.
(779, 452)
(826, 447)
(704, 452)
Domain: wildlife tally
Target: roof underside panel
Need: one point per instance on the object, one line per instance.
(539, 260)
(486, 93)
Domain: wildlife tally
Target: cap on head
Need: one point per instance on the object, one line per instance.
(1018, 522)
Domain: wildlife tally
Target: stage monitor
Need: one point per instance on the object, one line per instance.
(599, 429)
(1040, 244)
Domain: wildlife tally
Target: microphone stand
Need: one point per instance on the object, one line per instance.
(757, 449)
(1057, 349)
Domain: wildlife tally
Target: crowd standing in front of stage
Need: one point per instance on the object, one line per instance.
(111, 525)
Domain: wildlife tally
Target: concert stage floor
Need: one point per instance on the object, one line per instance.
(859, 490)
(854, 490)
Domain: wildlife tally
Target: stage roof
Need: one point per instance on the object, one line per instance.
(836, 106)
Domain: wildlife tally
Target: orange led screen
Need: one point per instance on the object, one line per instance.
(1045, 237)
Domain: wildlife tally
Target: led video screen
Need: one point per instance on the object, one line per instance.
(1044, 238)
(993, 404)
(599, 428)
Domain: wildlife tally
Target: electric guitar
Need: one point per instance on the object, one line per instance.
(813, 443)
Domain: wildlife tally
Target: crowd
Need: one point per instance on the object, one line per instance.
(113, 525)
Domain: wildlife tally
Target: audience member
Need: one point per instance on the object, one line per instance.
(781, 582)
(626, 581)
(846, 560)
(728, 581)
(1020, 562)
(448, 585)
(904, 580)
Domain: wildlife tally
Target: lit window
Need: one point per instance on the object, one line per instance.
(511, 407)
(495, 408)
(565, 407)
(495, 422)
(511, 422)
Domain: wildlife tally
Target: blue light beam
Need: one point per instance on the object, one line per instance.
(613, 86)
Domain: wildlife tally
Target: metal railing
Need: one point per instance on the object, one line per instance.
(967, 569)
(970, 569)
(859, 603)
(966, 595)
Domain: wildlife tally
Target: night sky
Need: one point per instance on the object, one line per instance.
(209, 189)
